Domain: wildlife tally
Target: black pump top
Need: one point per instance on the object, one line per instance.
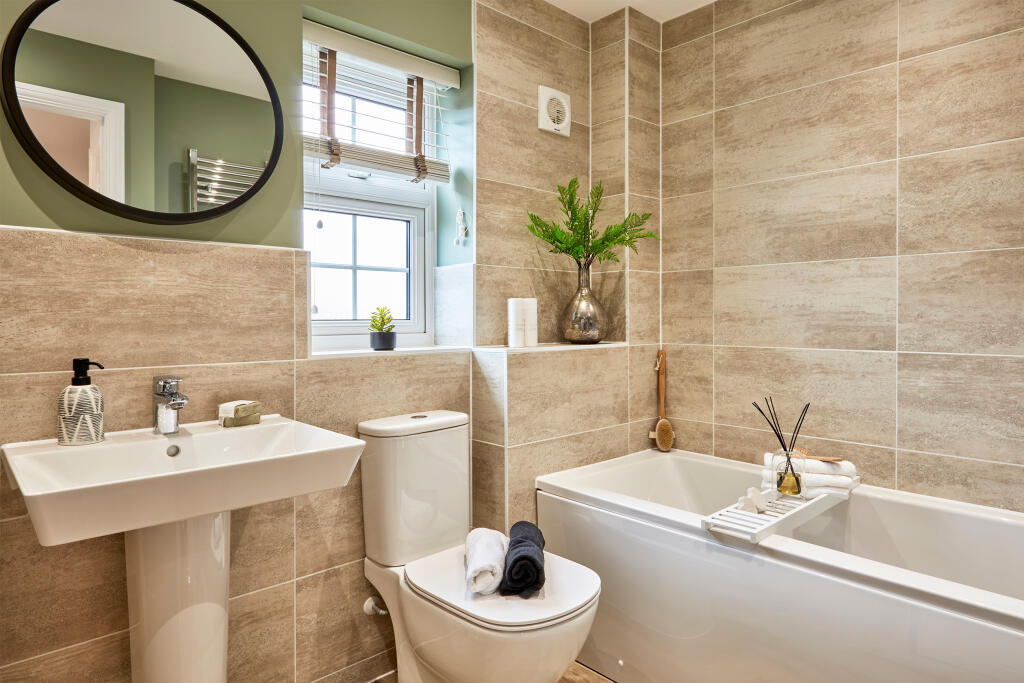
(81, 367)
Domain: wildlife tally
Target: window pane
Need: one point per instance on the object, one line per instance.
(381, 288)
(332, 293)
(310, 110)
(382, 242)
(331, 243)
(380, 125)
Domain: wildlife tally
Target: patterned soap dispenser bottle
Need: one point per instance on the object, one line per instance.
(80, 408)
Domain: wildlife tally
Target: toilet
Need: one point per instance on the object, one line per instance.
(416, 498)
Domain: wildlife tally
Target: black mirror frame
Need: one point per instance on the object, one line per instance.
(23, 132)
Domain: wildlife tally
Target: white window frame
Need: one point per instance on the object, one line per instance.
(337, 192)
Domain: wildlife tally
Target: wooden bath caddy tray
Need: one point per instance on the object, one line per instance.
(783, 514)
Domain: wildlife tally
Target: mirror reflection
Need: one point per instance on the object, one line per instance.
(147, 102)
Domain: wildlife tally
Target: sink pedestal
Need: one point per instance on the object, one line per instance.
(178, 600)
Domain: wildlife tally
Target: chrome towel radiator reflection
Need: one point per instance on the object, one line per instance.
(214, 181)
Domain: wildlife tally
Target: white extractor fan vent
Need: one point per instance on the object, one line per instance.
(553, 111)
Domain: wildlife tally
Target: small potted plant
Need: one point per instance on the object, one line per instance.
(584, 320)
(382, 334)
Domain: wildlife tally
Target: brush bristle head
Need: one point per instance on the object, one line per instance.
(664, 437)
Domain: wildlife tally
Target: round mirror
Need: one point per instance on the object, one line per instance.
(155, 110)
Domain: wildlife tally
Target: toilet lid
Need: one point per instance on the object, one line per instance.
(441, 577)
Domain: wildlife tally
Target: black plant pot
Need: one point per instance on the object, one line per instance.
(383, 341)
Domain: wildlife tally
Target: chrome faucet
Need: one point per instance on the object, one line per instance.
(166, 404)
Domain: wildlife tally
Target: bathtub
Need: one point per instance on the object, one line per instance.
(887, 586)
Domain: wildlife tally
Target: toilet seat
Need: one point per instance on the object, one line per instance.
(569, 588)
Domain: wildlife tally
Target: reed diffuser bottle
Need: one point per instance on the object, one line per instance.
(787, 479)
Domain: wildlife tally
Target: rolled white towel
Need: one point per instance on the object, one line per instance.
(485, 559)
(843, 467)
(810, 479)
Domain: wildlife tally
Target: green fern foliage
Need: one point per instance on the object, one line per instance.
(380, 320)
(578, 238)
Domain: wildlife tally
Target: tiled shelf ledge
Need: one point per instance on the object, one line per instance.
(409, 351)
(553, 346)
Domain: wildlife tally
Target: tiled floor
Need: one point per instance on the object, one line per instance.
(578, 673)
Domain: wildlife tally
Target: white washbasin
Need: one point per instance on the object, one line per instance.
(129, 481)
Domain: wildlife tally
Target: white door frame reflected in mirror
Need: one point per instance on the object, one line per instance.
(106, 117)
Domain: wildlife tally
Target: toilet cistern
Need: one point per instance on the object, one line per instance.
(166, 404)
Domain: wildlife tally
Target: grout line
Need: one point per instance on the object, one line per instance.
(954, 149)
(14, 518)
(804, 87)
(323, 571)
(896, 468)
(756, 16)
(524, 106)
(810, 436)
(157, 367)
(358, 662)
(953, 47)
(261, 589)
(695, 116)
(844, 350)
(535, 28)
(64, 649)
(524, 187)
(714, 168)
(565, 436)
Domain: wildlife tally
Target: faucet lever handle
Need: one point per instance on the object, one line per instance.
(166, 385)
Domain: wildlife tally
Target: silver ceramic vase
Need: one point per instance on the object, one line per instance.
(584, 320)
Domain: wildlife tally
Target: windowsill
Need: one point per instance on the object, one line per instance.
(400, 351)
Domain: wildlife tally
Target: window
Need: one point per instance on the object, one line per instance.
(372, 122)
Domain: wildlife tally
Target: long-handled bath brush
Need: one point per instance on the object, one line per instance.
(663, 435)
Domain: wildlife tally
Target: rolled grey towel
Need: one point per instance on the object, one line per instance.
(524, 561)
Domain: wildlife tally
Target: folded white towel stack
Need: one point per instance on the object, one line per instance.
(816, 476)
(485, 559)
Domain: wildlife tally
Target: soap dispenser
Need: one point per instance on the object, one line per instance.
(80, 408)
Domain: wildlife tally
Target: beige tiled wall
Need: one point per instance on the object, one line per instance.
(843, 186)
(145, 307)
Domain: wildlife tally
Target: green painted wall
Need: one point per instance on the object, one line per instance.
(440, 28)
(82, 68)
(459, 193)
(221, 125)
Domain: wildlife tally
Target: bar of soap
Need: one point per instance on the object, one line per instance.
(239, 413)
(253, 419)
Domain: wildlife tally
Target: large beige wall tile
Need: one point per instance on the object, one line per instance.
(106, 659)
(644, 82)
(539, 159)
(262, 546)
(804, 43)
(30, 399)
(608, 30)
(648, 252)
(261, 636)
(927, 25)
(967, 302)
(489, 485)
(608, 82)
(494, 286)
(565, 391)
(380, 668)
(696, 437)
(338, 393)
(840, 123)
(58, 596)
(729, 12)
(687, 232)
(687, 307)
(512, 59)
(687, 27)
(689, 382)
(526, 463)
(489, 395)
(608, 152)
(501, 234)
(331, 631)
(852, 393)
(12, 504)
(687, 73)
(963, 199)
(546, 17)
(643, 29)
(146, 302)
(827, 304)
(875, 465)
(453, 304)
(972, 481)
(643, 381)
(963, 96)
(687, 156)
(962, 405)
(329, 527)
(302, 338)
(644, 308)
(839, 214)
(644, 158)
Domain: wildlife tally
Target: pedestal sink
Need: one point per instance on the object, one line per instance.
(173, 496)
